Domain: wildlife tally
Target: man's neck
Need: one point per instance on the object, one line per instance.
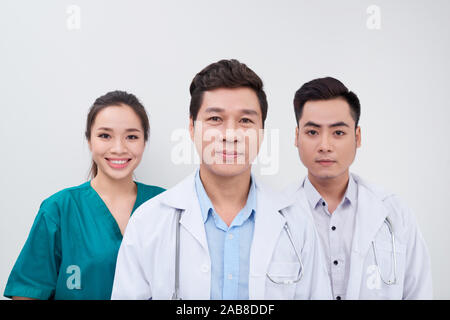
(227, 194)
(332, 190)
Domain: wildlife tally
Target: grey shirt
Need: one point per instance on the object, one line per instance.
(335, 232)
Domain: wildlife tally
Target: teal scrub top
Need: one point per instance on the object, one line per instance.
(72, 247)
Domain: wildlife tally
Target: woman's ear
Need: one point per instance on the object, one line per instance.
(89, 145)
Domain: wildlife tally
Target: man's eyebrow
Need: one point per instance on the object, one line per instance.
(312, 124)
(219, 110)
(249, 112)
(339, 124)
(214, 109)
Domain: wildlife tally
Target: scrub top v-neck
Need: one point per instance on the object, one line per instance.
(72, 247)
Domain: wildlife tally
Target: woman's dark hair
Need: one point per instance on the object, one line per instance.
(225, 74)
(326, 89)
(115, 98)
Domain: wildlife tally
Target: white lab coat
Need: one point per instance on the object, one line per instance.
(146, 261)
(413, 261)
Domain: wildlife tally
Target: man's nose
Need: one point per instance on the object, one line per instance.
(231, 132)
(325, 144)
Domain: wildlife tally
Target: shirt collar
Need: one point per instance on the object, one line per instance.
(314, 196)
(206, 206)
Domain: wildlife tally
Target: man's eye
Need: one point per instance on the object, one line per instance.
(246, 120)
(339, 133)
(214, 119)
(311, 132)
(104, 135)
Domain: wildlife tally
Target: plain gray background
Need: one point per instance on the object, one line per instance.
(50, 74)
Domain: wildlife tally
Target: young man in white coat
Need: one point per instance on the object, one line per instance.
(370, 239)
(220, 234)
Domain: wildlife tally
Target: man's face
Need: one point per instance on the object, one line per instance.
(227, 130)
(326, 138)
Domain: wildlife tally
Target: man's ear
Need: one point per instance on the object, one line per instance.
(296, 136)
(191, 128)
(358, 136)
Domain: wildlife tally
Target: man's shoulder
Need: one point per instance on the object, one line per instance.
(397, 208)
(156, 208)
(150, 209)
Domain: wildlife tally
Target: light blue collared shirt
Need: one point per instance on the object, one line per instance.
(229, 247)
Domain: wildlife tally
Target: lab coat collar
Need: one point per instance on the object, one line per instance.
(182, 194)
(206, 204)
(269, 224)
(314, 197)
(183, 197)
(378, 192)
(370, 215)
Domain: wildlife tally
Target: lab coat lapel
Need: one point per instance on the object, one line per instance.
(183, 196)
(269, 224)
(370, 217)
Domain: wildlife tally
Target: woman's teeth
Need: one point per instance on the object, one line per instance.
(118, 161)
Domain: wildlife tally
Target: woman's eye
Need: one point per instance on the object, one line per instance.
(132, 137)
(104, 135)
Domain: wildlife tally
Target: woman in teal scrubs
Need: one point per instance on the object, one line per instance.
(72, 247)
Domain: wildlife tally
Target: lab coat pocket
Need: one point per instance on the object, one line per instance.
(381, 270)
(384, 245)
(283, 275)
(386, 260)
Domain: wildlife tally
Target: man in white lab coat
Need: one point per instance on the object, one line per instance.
(370, 239)
(219, 233)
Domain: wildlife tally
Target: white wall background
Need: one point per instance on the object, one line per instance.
(51, 73)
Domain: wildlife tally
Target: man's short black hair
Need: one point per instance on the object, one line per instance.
(326, 89)
(225, 74)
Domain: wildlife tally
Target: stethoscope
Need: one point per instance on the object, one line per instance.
(176, 293)
(387, 221)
